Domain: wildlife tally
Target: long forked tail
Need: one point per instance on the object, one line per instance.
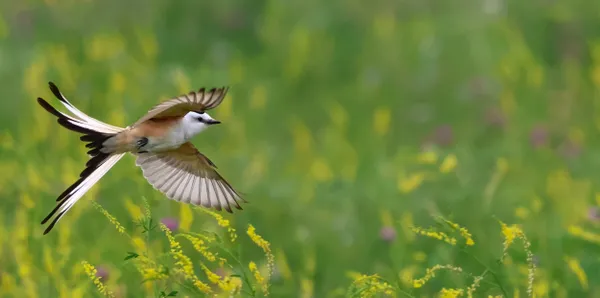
(94, 133)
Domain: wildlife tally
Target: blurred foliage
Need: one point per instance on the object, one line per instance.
(347, 125)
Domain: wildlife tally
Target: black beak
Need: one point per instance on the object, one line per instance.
(214, 122)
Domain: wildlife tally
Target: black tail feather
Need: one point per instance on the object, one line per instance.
(51, 225)
(49, 108)
(57, 93)
(94, 140)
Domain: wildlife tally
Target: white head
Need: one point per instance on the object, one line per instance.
(196, 122)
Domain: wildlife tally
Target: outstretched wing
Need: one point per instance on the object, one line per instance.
(187, 176)
(198, 101)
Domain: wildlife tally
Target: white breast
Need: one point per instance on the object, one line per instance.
(172, 140)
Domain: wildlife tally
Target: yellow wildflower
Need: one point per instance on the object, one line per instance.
(259, 278)
(186, 216)
(225, 284)
(449, 163)
(200, 246)
(183, 261)
(110, 218)
(139, 243)
(575, 267)
(463, 232)
(450, 293)
(266, 247)
(436, 235)
(430, 273)
(578, 231)
(91, 271)
(471, 289)
(510, 233)
(370, 285)
(224, 223)
(147, 213)
(410, 183)
(134, 210)
(153, 273)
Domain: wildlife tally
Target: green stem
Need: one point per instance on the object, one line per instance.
(487, 269)
(396, 270)
(500, 285)
(245, 277)
(407, 294)
(148, 255)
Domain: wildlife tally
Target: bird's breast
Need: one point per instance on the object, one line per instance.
(170, 140)
(162, 134)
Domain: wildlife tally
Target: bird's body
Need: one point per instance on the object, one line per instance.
(161, 135)
(161, 142)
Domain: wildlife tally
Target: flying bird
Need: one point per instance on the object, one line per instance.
(160, 140)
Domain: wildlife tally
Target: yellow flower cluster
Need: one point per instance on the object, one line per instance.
(371, 285)
(147, 212)
(578, 231)
(153, 273)
(449, 164)
(266, 247)
(258, 276)
(110, 218)
(184, 261)
(200, 246)
(450, 293)
(224, 223)
(436, 235)
(410, 183)
(463, 232)
(575, 267)
(430, 273)
(91, 271)
(471, 289)
(149, 269)
(510, 234)
(225, 284)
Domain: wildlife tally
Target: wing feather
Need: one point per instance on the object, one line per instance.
(199, 101)
(187, 176)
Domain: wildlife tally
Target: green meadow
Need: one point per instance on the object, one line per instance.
(386, 149)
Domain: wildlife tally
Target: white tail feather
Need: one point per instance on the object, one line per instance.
(100, 126)
(85, 186)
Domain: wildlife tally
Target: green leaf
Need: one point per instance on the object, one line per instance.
(131, 255)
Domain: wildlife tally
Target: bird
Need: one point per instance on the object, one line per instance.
(160, 142)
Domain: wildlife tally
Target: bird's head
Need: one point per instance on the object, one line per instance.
(196, 122)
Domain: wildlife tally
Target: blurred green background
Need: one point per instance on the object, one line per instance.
(347, 123)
